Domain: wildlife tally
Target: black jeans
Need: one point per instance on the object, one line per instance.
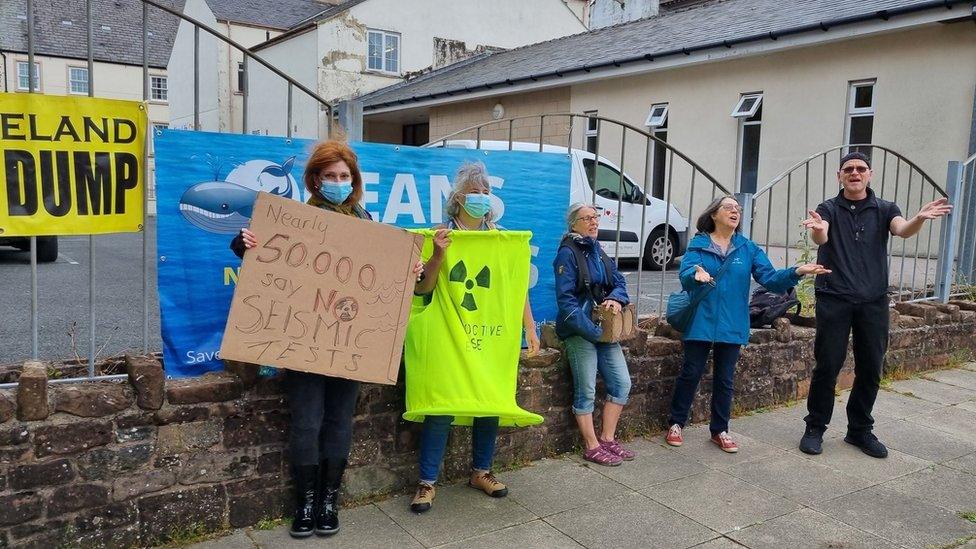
(321, 416)
(836, 320)
(724, 357)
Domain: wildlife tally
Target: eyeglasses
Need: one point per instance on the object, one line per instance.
(851, 169)
(732, 208)
(588, 218)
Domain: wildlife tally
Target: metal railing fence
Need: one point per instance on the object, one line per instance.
(145, 39)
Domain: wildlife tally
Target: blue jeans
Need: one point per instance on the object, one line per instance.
(724, 357)
(585, 360)
(433, 442)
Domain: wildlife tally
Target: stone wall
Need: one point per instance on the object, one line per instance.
(132, 463)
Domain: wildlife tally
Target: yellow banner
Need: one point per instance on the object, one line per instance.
(71, 165)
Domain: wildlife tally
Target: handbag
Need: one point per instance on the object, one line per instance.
(681, 306)
(616, 326)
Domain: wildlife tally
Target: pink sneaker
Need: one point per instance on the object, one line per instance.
(674, 437)
(602, 456)
(725, 442)
(616, 449)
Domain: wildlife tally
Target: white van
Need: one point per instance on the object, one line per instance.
(663, 242)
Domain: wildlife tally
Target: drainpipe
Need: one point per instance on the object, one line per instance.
(4, 57)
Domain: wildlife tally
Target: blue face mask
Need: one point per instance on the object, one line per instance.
(477, 204)
(336, 193)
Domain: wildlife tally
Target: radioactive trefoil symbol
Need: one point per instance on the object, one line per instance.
(459, 273)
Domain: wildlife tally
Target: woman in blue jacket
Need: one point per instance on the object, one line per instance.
(721, 322)
(580, 335)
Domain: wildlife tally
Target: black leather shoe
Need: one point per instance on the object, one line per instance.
(868, 443)
(303, 523)
(812, 441)
(327, 514)
(327, 504)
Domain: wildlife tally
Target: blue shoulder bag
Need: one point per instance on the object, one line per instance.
(681, 306)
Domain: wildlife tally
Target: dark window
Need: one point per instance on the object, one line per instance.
(241, 78)
(749, 153)
(416, 134)
(607, 183)
(592, 131)
(659, 160)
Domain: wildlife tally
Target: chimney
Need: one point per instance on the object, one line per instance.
(604, 13)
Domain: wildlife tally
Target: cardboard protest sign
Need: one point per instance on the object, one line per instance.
(323, 293)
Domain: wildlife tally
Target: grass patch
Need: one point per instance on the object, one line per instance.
(958, 543)
(188, 535)
(269, 523)
(970, 516)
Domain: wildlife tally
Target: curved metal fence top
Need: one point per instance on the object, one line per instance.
(572, 115)
(823, 153)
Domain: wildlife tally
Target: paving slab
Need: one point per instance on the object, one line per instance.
(807, 529)
(898, 517)
(551, 486)
(849, 459)
(776, 430)
(965, 463)
(531, 535)
(951, 419)
(942, 486)
(959, 377)
(933, 391)
(930, 444)
(892, 405)
(631, 520)
(798, 479)
(719, 543)
(699, 447)
(655, 463)
(238, 539)
(720, 501)
(968, 405)
(360, 528)
(458, 513)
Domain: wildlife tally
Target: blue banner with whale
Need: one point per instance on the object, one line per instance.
(206, 183)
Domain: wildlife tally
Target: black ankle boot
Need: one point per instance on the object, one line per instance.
(306, 478)
(327, 505)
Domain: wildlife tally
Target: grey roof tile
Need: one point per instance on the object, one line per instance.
(60, 29)
(279, 14)
(696, 26)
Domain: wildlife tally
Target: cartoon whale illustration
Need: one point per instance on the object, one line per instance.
(218, 206)
(224, 207)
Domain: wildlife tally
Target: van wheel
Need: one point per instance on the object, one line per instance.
(47, 249)
(659, 250)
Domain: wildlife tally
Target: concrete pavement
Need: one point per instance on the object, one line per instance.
(769, 495)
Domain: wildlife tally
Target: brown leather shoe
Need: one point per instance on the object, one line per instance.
(423, 499)
(487, 483)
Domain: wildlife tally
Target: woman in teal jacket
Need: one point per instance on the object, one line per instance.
(721, 322)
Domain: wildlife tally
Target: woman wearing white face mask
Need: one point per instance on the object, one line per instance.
(321, 406)
(468, 209)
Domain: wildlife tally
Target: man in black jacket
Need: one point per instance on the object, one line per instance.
(852, 230)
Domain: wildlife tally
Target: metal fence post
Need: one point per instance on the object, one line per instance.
(950, 230)
(746, 200)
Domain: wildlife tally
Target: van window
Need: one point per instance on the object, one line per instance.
(608, 184)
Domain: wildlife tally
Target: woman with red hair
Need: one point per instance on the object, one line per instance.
(321, 406)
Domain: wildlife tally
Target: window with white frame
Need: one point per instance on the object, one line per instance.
(658, 115)
(749, 113)
(657, 123)
(158, 90)
(22, 82)
(383, 51)
(592, 131)
(78, 80)
(859, 126)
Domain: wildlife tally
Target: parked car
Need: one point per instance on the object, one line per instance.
(47, 246)
(662, 241)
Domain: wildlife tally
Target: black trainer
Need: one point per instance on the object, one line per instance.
(812, 441)
(868, 443)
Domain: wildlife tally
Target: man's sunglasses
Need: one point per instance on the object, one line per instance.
(851, 169)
